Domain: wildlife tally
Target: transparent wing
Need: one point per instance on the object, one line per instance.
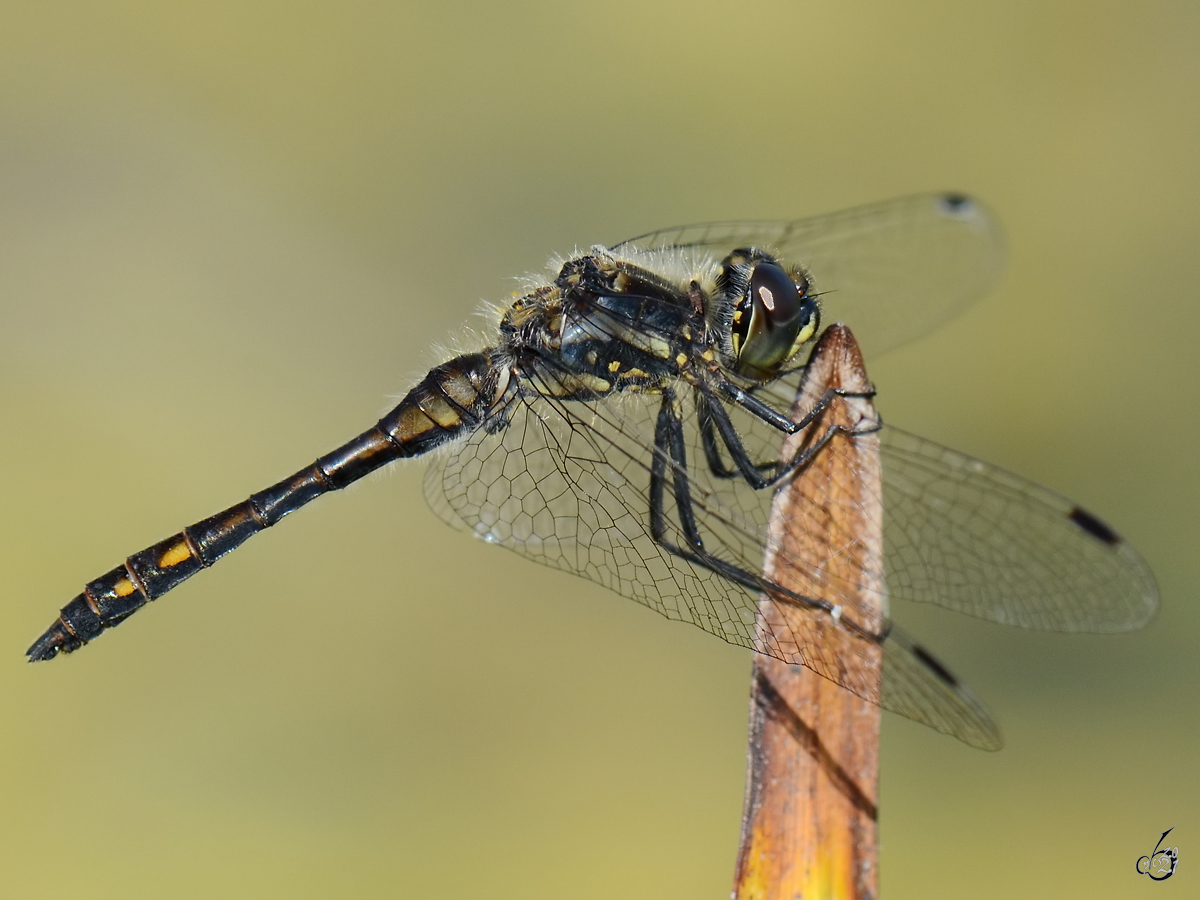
(977, 539)
(893, 270)
(918, 687)
(974, 538)
(567, 484)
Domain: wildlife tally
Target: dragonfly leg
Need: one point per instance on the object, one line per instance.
(708, 440)
(670, 451)
(773, 417)
(753, 472)
(712, 452)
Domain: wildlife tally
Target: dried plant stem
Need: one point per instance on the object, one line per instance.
(810, 821)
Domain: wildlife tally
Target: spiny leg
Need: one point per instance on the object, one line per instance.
(712, 452)
(753, 472)
(773, 417)
(713, 420)
(712, 414)
(708, 440)
(670, 450)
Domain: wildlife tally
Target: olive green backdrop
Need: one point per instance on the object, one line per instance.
(229, 232)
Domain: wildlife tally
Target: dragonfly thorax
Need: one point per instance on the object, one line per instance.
(605, 324)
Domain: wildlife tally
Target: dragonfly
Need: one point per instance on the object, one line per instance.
(626, 421)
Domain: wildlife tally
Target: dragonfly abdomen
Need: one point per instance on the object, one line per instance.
(453, 399)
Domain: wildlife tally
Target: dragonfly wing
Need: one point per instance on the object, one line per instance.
(920, 688)
(567, 485)
(975, 538)
(893, 270)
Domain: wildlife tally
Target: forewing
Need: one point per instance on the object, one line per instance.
(977, 539)
(974, 538)
(893, 271)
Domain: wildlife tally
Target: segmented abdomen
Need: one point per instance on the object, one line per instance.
(450, 401)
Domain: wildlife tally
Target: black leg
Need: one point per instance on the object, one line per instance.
(658, 471)
(669, 446)
(753, 472)
(708, 440)
(713, 418)
(760, 410)
(670, 449)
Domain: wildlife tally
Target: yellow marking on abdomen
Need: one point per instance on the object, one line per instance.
(440, 411)
(124, 587)
(174, 555)
(412, 424)
(458, 387)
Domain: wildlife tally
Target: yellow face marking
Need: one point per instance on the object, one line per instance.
(124, 587)
(803, 338)
(614, 365)
(175, 555)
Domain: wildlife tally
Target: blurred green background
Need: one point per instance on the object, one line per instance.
(230, 231)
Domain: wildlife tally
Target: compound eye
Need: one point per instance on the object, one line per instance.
(773, 291)
(782, 318)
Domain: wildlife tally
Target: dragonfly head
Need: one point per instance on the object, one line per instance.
(770, 314)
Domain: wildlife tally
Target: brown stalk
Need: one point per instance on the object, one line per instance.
(810, 821)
